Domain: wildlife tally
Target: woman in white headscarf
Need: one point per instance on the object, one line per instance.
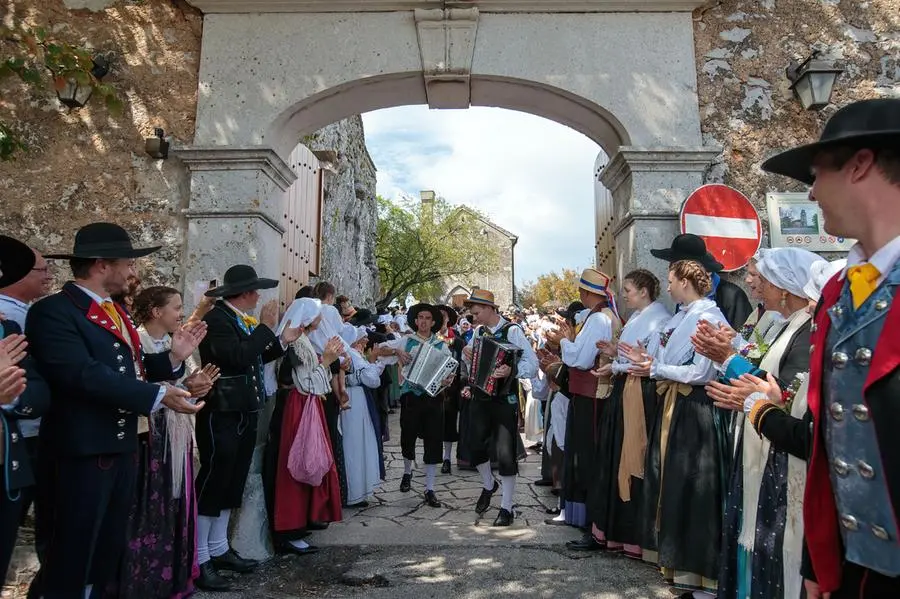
(361, 457)
(295, 507)
(752, 562)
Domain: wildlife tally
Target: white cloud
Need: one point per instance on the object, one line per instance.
(530, 175)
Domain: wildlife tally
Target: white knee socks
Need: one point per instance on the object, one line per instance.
(407, 466)
(299, 544)
(218, 534)
(204, 525)
(509, 490)
(448, 450)
(486, 477)
(430, 471)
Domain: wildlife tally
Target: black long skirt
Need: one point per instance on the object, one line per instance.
(620, 521)
(581, 441)
(692, 493)
(332, 416)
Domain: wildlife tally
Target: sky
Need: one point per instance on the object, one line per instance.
(531, 176)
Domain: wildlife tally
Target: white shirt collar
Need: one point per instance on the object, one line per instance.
(240, 313)
(93, 295)
(883, 259)
(497, 326)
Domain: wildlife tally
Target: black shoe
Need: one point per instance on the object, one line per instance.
(484, 501)
(431, 500)
(233, 562)
(553, 511)
(405, 483)
(445, 468)
(288, 548)
(554, 492)
(586, 543)
(554, 522)
(210, 579)
(359, 504)
(543, 483)
(317, 525)
(504, 518)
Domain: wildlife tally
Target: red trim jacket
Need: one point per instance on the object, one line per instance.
(820, 515)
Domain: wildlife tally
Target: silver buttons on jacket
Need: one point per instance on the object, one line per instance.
(14, 465)
(117, 345)
(839, 359)
(13, 437)
(120, 357)
(812, 348)
(121, 422)
(813, 328)
(841, 467)
(120, 436)
(881, 305)
(849, 522)
(863, 356)
(860, 412)
(122, 369)
(865, 470)
(880, 533)
(837, 411)
(837, 311)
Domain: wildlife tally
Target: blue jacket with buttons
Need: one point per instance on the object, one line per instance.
(95, 393)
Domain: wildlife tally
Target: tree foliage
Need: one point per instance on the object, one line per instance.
(551, 290)
(35, 58)
(418, 247)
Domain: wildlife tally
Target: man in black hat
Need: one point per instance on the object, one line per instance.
(421, 416)
(88, 350)
(22, 400)
(730, 298)
(852, 496)
(239, 345)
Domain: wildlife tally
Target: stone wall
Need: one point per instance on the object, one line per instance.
(349, 212)
(746, 105)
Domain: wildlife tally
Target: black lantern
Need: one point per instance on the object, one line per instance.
(157, 146)
(75, 94)
(813, 81)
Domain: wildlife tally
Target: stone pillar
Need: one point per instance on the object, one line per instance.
(235, 217)
(649, 186)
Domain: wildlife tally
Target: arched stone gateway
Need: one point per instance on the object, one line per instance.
(622, 72)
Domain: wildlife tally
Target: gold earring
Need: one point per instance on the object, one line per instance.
(783, 300)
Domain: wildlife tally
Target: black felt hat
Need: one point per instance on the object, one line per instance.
(104, 241)
(452, 316)
(16, 260)
(865, 124)
(240, 279)
(436, 314)
(363, 318)
(570, 312)
(689, 247)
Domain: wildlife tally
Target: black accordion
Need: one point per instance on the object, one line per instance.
(488, 354)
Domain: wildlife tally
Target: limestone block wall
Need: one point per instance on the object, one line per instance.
(349, 212)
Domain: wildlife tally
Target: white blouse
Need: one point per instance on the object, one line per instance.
(676, 360)
(310, 377)
(640, 328)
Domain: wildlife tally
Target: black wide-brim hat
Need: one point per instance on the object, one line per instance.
(363, 318)
(16, 260)
(570, 312)
(865, 124)
(452, 316)
(436, 314)
(105, 241)
(689, 247)
(240, 279)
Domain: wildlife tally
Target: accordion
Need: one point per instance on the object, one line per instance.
(429, 367)
(487, 355)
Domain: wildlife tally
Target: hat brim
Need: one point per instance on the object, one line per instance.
(239, 288)
(669, 255)
(452, 316)
(106, 255)
(479, 302)
(436, 315)
(363, 322)
(797, 162)
(16, 261)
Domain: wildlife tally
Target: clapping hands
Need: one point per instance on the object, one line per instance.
(187, 339)
(200, 383)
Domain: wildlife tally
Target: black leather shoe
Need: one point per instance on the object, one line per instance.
(210, 579)
(360, 504)
(431, 500)
(288, 548)
(553, 511)
(504, 518)
(484, 501)
(586, 543)
(233, 562)
(445, 468)
(543, 483)
(317, 526)
(405, 483)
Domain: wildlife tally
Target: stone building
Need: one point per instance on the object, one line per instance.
(501, 281)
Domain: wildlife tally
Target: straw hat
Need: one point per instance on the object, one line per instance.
(482, 297)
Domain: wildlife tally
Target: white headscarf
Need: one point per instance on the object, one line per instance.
(301, 313)
(349, 334)
(786, 268)
(330, 326)
(820, 273)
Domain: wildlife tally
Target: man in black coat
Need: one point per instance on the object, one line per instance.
(730, 298)
(239, 345)
(87, 349)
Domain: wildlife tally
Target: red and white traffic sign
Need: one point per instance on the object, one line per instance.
(727, 222)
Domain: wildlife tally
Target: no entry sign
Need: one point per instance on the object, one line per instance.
(727, 222)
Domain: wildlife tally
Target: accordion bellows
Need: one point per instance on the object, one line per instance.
(487, 355)
(429, 367)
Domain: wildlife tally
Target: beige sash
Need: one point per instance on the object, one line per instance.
(670, 390)
(634, 441)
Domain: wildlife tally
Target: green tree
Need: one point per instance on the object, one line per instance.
(551, 290)
(418, 246)
(34, 57)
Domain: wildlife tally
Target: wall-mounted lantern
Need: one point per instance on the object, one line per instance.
(75, 94)
(813, 81)
(157, 146)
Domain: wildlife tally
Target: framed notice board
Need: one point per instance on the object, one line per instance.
(796, 221)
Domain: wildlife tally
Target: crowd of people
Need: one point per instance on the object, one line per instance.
(742, 450)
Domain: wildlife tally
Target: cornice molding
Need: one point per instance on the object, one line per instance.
(245, 214)
(227, 158)
(631, 159)
(487, 6)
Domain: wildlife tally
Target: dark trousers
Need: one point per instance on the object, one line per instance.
(546, 462)
(498, 418)
(10, 516)
(85, 501)
(421, 417)
(225, 442)
(861, 583)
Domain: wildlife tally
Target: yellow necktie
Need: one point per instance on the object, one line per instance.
(862, 282)
(249, 321)
(110, 309)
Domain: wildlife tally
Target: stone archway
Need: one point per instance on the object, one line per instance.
(274, 71)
